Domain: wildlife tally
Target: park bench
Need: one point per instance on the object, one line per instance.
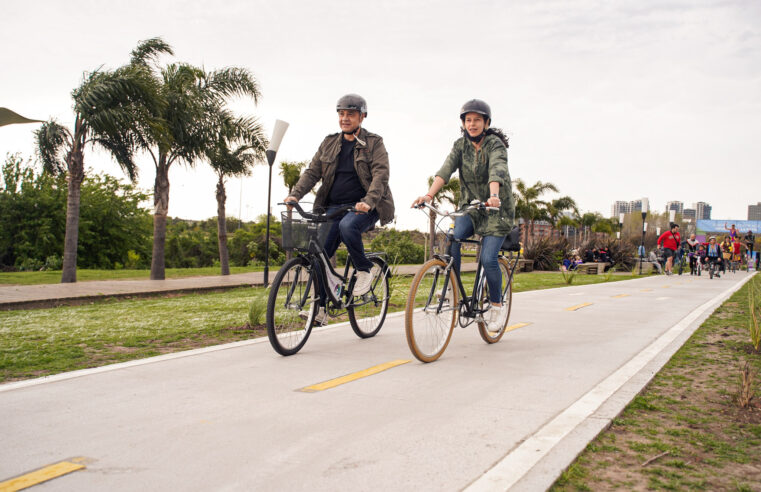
(592, 268)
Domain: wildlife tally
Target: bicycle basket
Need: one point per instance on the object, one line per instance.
(298, 231)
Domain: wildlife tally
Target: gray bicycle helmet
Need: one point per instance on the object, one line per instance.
(476, 106)
(352, 101)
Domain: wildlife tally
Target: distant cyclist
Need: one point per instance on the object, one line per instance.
(732, 230)
(691, 247)
(713, 253)
(750, 241)
(670, 241)
(353, 167)
(480, 156)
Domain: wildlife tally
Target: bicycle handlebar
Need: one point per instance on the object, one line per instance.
(474, 205)
(320, 217)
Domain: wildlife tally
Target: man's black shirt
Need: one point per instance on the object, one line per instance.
(346, 186)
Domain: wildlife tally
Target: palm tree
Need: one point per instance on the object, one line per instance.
(449, 193)
(184, 129)
(107, 105)
(241, 144)
(291, 172)
(588, 220)
(527, 203)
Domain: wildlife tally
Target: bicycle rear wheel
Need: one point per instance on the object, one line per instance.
(367, 312)
(492, 334)
(291, 307)
(431, 311)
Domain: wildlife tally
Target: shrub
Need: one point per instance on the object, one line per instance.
(545, 251)
(399, 247)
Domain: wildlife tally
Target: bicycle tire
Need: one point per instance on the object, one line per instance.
(428, 332)
(365, 324)
(292, 291)
(507, 297)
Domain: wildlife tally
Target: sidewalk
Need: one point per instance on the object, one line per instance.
(35, 296)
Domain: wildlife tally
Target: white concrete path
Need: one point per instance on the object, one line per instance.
(488, 417)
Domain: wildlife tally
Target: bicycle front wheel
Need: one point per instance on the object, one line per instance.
(492, 334)
(291, 307)
(431, 311)
(367, 312)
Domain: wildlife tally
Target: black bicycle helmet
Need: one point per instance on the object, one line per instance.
(476, 106)
(352, 101)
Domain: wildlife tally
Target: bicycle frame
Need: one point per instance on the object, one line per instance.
(470, 303)
(320, 264)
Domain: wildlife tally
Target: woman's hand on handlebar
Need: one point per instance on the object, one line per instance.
(421, 199)
(493, 202)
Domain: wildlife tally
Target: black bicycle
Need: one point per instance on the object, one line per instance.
(437, 297)
(308, 282)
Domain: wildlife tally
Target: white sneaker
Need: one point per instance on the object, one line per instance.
(319, 319)
(363, 282)
(495, 317)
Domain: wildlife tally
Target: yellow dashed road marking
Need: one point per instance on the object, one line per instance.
(619, 296)
(646, 290)
(352, 377)
(516, 326)
(38, 476)
(578, 306)
(665, 287)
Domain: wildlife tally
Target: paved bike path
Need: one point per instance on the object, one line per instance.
(233, 418)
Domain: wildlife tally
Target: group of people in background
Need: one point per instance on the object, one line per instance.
(730, 250)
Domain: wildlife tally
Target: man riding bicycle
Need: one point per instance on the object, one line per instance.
(353, 167)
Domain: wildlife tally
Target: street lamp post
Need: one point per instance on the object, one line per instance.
(620, 224)
(277, 137)
(644, 229)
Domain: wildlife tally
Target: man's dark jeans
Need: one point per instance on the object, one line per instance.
(349, 229)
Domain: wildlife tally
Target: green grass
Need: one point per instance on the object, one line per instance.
(83, 275)
(688, 411)
(47, 341)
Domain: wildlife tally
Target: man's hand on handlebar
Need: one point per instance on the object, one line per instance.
(290, 199)
(362, 207)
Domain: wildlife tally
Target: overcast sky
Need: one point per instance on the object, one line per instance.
(608, 100)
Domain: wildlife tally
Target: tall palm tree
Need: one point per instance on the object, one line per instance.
(186, 128)
(449, 193)
(107, 106)
(528, 206)
(240, 145)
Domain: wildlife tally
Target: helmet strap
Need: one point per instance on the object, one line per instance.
(477, 138)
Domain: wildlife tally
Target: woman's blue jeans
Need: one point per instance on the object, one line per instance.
(463, 229)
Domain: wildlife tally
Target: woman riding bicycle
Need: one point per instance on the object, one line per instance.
(480, 156)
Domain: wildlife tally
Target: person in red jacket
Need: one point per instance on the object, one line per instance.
(670, 241)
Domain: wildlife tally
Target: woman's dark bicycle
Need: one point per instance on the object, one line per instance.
(308, 281)
(437, 298)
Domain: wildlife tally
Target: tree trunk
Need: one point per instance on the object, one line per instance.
(76, 173)
(161, 207)
(224, 257)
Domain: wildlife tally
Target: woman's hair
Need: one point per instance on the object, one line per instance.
(493, 131)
